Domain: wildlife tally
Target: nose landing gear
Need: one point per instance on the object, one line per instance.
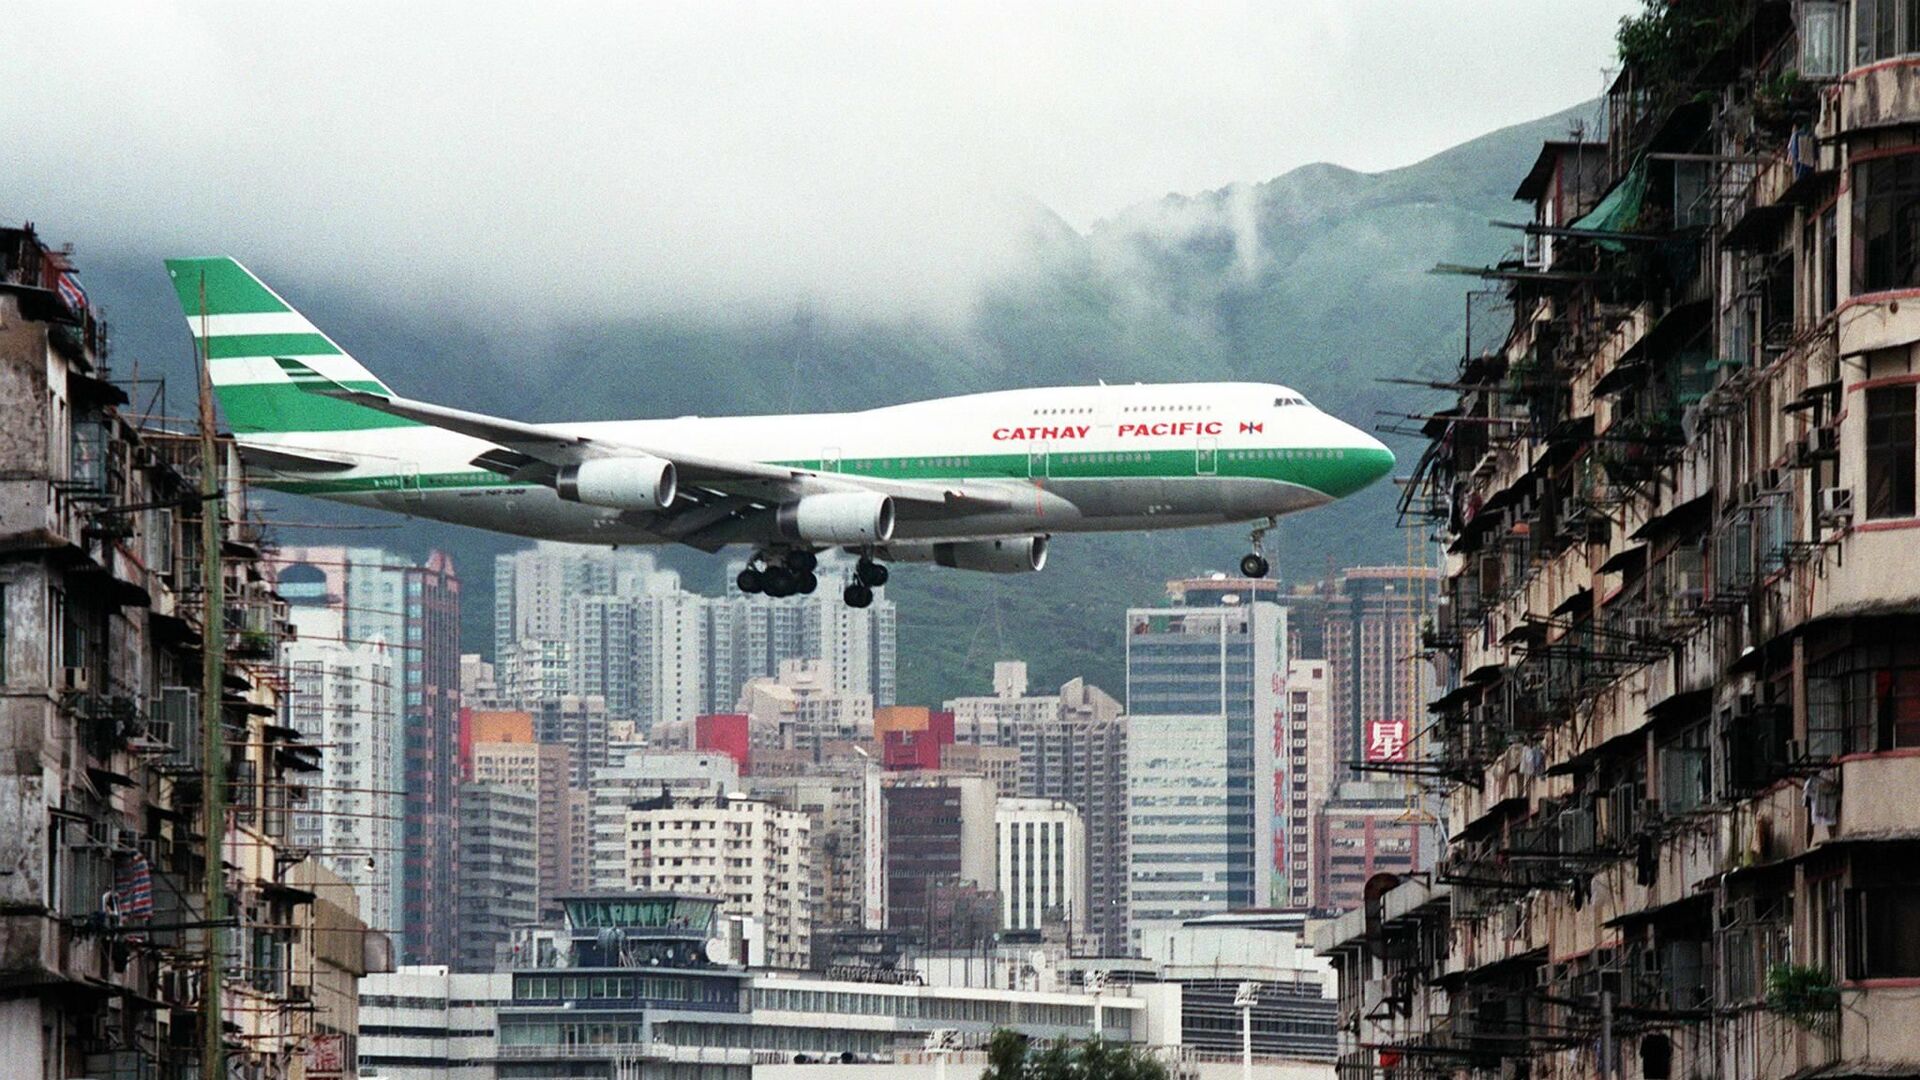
(1254, 564)
(867, 576)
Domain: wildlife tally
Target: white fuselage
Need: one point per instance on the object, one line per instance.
(1087, 458)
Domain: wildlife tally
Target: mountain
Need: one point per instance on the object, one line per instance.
(1318, 278)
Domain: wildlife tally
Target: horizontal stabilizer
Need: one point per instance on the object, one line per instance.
(280, 459)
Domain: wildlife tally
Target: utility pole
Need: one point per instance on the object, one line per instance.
(1606, 1035)
(213, 643)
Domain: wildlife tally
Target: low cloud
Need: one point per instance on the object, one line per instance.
(724, 161)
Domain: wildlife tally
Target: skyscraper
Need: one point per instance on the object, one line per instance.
(841, 797)
(431, 714)
(345, 696)
(940, 855)
(384, 596)
(644, 774)
(531, 588)
(1302, 781)
(1072, 747)
(1202, 692)
(750, 637)
(502, 750)
(497, 885)
(1378, 688)
(755, 856)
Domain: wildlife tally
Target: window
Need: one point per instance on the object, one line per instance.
(1821, 33)
(1890, 452)
(3, 634)
(1886, 223)
(1886, 937)
(1885, 28)
(1865, 699)
(1684, 775)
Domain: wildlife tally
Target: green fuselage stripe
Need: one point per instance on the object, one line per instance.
(1333, 472)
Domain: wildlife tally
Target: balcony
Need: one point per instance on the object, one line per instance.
(1884, 95)
(1865, 817)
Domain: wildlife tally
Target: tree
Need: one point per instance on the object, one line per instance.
(1010, 1056)
(1006, 1056)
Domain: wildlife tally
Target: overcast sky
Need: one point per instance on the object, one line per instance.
(692, 156)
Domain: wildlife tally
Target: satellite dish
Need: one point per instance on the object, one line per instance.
(718, 953)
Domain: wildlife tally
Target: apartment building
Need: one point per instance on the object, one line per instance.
(753, 856)
(1677, 724)
(108, 605)
(497, 885)
(501, 749)
(1072, 746)
(344, 694)
(1041, 848)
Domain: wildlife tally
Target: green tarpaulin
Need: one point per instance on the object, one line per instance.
(1620, 210)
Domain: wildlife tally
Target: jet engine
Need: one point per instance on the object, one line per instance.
(623, 483)
(1015, 555)
(839, 517)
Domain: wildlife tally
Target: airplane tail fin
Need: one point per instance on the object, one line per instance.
(257, 349)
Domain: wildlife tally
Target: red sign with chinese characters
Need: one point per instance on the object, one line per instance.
(1387, 740)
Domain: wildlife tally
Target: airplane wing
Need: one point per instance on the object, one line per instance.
(535, 451)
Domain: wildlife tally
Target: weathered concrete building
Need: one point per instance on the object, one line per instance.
(103, 622)
(1681, 698)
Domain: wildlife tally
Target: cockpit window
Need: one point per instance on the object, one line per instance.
(1289, 400)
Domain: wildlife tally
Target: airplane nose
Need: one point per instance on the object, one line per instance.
(1367, 460)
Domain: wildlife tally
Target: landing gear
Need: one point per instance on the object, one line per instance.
(857, 595)
(785, 574)
(791, 572)
(1254, 563)
(778, 581)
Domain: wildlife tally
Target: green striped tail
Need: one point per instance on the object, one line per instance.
(256, 344)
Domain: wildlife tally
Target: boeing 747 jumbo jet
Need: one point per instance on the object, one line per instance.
(978, 482)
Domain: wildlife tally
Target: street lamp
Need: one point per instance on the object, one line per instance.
(1096, 985)
(1244, 997)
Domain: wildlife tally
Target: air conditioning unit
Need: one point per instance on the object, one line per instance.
(75, 680)
(1835, 506)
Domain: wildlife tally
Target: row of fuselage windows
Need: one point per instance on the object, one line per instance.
(1109, 458)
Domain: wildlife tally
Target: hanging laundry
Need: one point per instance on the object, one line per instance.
(1822, 797)
(133, 885)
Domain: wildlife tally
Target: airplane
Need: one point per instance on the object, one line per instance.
(976, 482)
